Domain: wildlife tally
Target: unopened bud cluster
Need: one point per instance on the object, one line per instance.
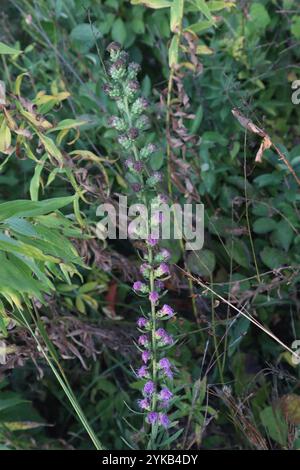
(124, 88)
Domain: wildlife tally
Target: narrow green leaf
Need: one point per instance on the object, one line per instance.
(4, 49)
(35, 180)
(203, 7)
(176, 15)
(173, 51)
(152, 3)
(26, 208)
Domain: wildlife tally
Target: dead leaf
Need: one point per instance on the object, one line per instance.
(265, 144)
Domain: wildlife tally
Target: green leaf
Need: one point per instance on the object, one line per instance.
(173, 51)
(283, 234)
(295, 28)
(13, 246)
(16, 277)
(152, 3)
(18, 82)
(83, 37)
(26, 208)
(201, 262)
(172, 438)
(275, 425)
(6, 403)
(272, 257)
(176, 15)
(21, 226)
(236, 333)
(54, 244)
(35, 180)
(239, 252)
(217, 5)
(4, 49)
(5, 138)
(50, 147)
(67, 124)
(264, 225)
(259, 17)
(269, 179)
(203, 7)
(118, 31)
(200, 26)
(21, 425)
(199, 391)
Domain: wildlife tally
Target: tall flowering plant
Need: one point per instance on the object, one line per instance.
(155, 367)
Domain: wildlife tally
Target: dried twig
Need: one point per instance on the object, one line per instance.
(266, 141)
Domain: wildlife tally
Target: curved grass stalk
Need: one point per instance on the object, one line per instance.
(244, 313)
(62, 380)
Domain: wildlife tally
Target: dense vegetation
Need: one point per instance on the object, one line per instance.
(219, 77)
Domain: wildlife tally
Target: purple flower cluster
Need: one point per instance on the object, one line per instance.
(155, 390)
(158, 418)
(155, 369)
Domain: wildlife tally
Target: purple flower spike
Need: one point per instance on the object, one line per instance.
(164, 337)
(139, 286)
(128, 163)
(168, 340)
(152, 417)
(143, 372)
(159, 285)
(168, 373)
(157, 176)
(164, 363)
(153, 297)
(167, 311)
(142, 322)
(162, 270)
(136, 187)
(143, 340)
(138, 166)
(144, 404)
(152, 241)
(161, 333)
(164, 420)
(146, 355)
(165, 394)
(165, 254)
(149, 388)
(152, 341)
(145, 269)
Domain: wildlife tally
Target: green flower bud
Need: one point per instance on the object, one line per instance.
(143, 122)
(131, 88)
(117, 123)
(154, 179)
(133, 70)
(114, 49)
(124, 141)
(146, 151)
(117, 70)
(139, 105)
(133, 134)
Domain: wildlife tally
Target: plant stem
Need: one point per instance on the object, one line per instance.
(214, 332)
(168, 132)
(151, 443)
(153, 348)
